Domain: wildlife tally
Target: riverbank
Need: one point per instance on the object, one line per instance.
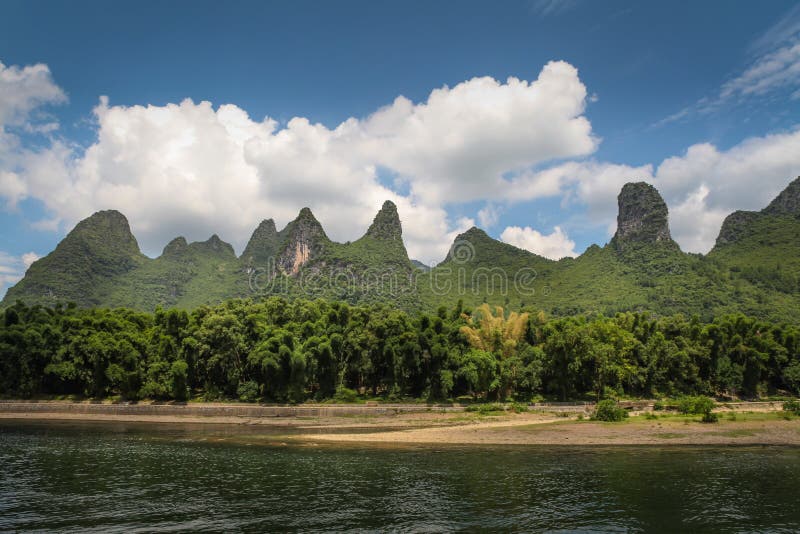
(740, 424)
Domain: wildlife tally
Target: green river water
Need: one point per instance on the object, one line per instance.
(128, 477)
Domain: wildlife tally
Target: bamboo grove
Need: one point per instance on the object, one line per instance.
(275, 350)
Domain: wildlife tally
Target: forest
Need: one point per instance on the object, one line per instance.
(274, 350)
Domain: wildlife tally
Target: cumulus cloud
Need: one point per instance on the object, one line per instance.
(192, 169)
(700, 187)
(555, 245)
(695, 224)
(460, 144)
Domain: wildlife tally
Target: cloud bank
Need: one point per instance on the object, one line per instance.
(194, 169)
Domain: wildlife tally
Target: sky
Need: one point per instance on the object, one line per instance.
(524, 118)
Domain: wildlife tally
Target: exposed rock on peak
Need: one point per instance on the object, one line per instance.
(787, 202)
(643, 216)
(386, 224)
(304, 240)
(305, 213)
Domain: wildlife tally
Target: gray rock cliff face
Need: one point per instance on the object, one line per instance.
(642, 218)
(304, 240)
(386, 224)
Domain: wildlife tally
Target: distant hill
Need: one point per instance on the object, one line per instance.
(754, 267)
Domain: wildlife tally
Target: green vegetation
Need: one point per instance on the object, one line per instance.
(609, 410)
(331, 321)
(754, 269)
(486, 409)
(792, 406)
(698, 405)
(695, 405)
(292, 351)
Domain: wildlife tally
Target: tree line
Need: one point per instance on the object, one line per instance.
(292, 351)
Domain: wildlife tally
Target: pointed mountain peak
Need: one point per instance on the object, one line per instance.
(386, 224)
(787, 202)
(306, 224)
(267, 226)
(175, 247)
(643, 216)
(306, 214)
(263, 244)
(304, 239)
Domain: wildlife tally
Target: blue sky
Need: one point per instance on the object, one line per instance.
(700, 98)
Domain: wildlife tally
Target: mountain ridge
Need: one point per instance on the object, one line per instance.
(641, 268)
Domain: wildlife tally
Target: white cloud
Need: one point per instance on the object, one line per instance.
(775, 69)
(190, 169)
(694, 224)
(28, 258)
(488, 216)
(24, 89)
(460, 144)
(555, 245)
(12, 268)
(12, 188)
(700, 187)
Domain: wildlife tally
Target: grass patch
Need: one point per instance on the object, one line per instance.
(735, 433)
(669, 435)
(486, 409)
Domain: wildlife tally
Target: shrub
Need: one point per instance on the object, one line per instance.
(710, 417)
(792, 406)
(345, 395)
(658, 406)
(485, 409)
(608, 410)
(518, 407)
(695, 405)
(248, 391)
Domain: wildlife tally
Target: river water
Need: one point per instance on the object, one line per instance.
(127, 477)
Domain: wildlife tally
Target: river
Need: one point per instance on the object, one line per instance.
(129, 477)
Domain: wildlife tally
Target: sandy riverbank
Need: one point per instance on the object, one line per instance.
(757, 424)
